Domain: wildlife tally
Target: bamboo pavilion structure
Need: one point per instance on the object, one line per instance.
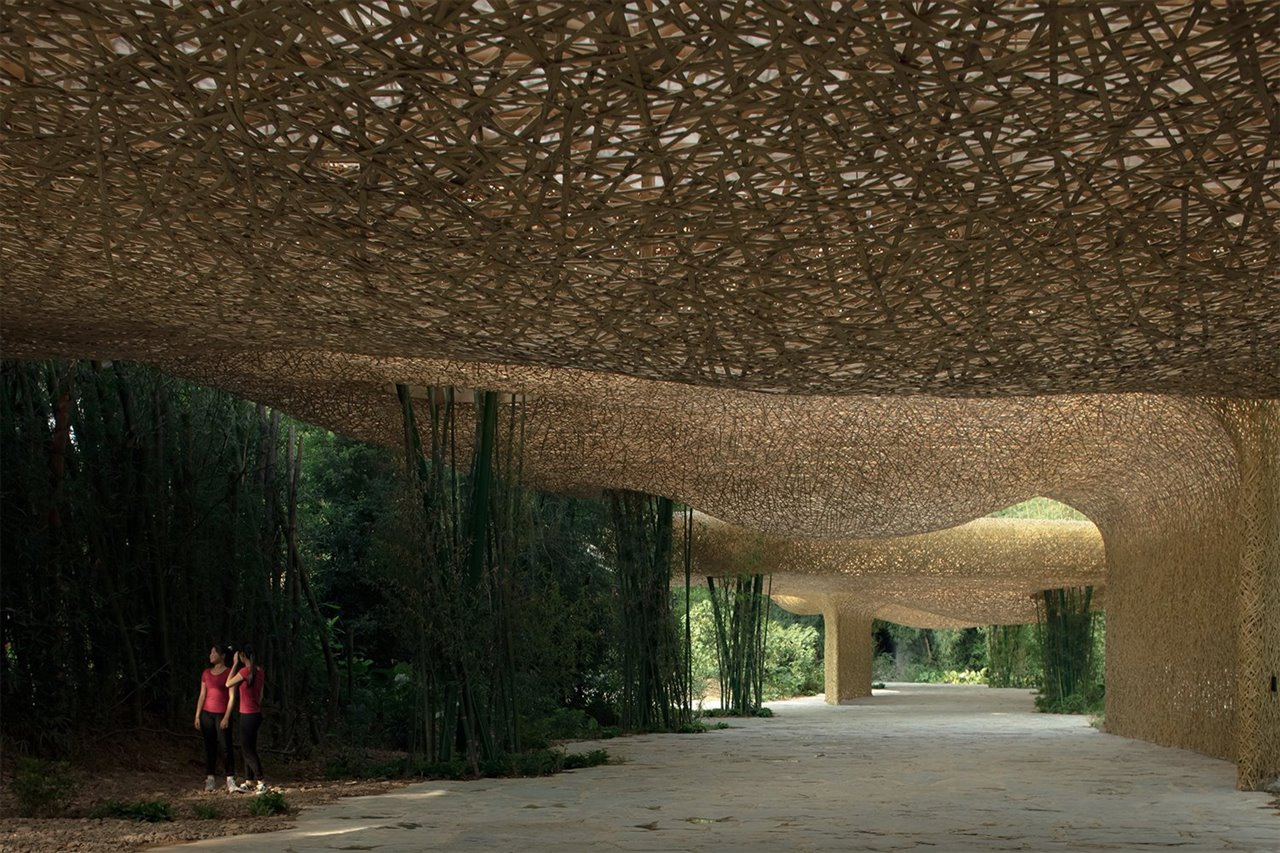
(844, 275)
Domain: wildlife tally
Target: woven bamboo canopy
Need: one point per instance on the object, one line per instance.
(809, 198)
(978, 573)
(826, 271)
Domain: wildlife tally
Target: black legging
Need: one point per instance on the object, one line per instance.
(249, 725)
(209, 728)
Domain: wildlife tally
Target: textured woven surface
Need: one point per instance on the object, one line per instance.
(980, 573)
(810, 466)
(801, 197)
(641, 216)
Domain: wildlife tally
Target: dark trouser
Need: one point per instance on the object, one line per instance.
(209, 728)
(249, 725)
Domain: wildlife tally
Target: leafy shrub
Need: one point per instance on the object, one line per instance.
(791, 663)
(576, 760)
(922, 673)
(1092, 701)
(455, 769)
(967, 676)
(560, 724)
(265, 805)
(42, 788)
(205, 811)
(884, 667)
(727, 712)
(151, 811)
(534, 762)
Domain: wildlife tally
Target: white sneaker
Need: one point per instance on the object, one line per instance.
(232, 787)
(262, 788)
(208, 784)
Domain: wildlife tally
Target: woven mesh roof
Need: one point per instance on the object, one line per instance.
(808, 466)
(810, 198)
(983, 572)
(898, 219)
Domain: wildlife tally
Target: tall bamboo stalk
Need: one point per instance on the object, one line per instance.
(1066, 626)
(652, 681)
(465, 661)
(739, 610)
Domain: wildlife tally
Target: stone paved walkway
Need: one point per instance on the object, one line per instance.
(916, 767)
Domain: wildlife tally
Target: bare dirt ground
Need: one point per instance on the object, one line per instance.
(170, 768)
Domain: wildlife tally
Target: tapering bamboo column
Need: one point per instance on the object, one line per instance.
(1258, 596)
(846, 651)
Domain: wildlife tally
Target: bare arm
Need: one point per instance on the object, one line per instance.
(231, 706)
(200, 702)
(235, 676)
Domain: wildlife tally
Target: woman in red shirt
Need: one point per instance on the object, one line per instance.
(246, 679)
(213, 716)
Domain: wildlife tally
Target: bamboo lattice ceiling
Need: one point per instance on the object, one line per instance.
(983, 572)
(941, 198)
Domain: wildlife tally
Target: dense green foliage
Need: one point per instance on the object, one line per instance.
(1060, 655)
(1013, 654)
(205, 811)
(1045, 508)
(145, 518)
(41, 788)
(739, 611)
(654, 687)
(461, 558)
(1069, 643)
(956, 655)
(793, 651)
(925, 654)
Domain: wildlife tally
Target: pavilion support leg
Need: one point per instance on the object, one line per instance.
(847, 652)
(1258, 596)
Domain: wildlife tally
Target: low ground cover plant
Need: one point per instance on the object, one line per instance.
(42, 788)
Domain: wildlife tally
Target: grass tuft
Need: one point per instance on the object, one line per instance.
(270, 803)
(205, 811)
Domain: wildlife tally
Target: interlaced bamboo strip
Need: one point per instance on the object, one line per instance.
(953, 198)
(1258, 722)
(984, 572)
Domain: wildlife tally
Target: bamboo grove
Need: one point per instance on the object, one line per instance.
(429, 604)
(144, 519)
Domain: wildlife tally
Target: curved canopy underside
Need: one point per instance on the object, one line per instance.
(806, 466)
(801, 266)
(952, 199)
(981, 573)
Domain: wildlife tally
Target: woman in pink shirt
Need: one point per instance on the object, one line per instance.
(213, 717)
(245, 678)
